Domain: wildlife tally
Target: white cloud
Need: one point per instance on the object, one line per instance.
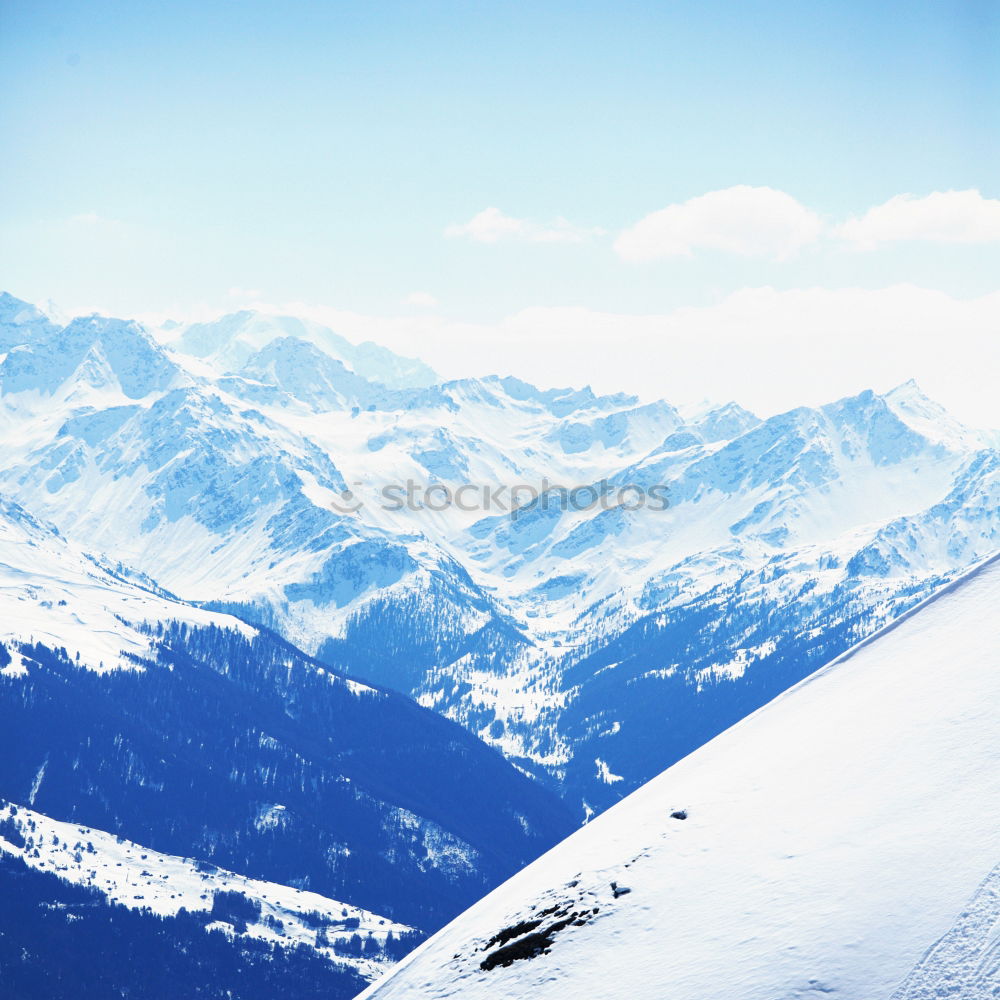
(86, 219)
(94, 222)
(751, 221)
(940, 217)
(491, 226)
(758, 222)
(422, 299)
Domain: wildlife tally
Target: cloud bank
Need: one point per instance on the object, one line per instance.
(423, 300)
(940, 217)
(744, 220)
(760, 222)
(493, 226)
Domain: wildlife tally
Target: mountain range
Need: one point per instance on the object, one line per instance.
(242, 766)
(593, 647)
(242, 632)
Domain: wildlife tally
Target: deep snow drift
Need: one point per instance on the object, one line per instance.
(842, 841)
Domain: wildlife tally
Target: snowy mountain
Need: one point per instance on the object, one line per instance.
(229, 342)
(197, 735)
(593, 644)
(305, 374)
(20, 321)
(91, 352)
(145, 880)
(840, 841)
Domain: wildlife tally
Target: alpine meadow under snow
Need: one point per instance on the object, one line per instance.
(261, 726)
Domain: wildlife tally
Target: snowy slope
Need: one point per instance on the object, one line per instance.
(141, 878)
(842, 841)
(194, 733)
(53, 593)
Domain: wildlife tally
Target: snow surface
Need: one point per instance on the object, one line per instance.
(53, 593)
(842, 841)
(143, 879)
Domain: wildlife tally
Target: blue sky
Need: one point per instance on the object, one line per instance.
(190, 156)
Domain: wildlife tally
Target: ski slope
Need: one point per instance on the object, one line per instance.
(842, 842)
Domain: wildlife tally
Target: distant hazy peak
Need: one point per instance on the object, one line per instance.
(20, 322)
(230, 341)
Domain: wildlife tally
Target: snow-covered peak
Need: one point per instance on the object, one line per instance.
(839, 842)
(20, 322)
(309, 375)
(930, 419)
(230, 341)
(721, 423)
(564, 401)
(93, 351)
